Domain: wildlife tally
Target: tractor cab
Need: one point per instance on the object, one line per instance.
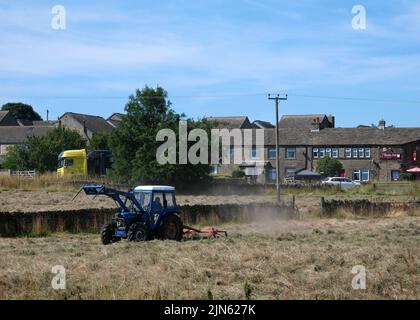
(156, 200)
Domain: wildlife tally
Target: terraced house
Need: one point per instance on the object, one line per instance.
(367, 153)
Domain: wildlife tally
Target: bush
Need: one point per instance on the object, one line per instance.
(329, 167)
(238, 174)
(406, 176)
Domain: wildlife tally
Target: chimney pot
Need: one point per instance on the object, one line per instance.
(381, 124)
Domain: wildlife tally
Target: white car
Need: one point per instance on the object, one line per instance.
(344, 183)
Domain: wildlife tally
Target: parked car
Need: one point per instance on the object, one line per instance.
(344, 183)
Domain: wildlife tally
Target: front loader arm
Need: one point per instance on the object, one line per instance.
(110, 192)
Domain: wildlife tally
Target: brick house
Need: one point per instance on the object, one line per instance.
(86, 125)
(367, 153)
(14, 135)
(115, 119)
(7, 119)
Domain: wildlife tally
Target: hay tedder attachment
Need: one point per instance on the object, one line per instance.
(207, 231)
(146, 212)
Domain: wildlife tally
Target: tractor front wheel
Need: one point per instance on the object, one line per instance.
(137, 232)
(107, 234)
(171, 228)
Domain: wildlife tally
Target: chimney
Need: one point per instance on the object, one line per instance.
(381, 124)
(331, 119)
(315, 125)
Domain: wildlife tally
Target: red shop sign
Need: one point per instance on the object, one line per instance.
(390, 156)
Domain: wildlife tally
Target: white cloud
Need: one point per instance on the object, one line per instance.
(190, 54)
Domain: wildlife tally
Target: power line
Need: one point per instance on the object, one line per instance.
(215, 96)
(354, 98)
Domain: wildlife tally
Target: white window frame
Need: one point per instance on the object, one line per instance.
(364, 170)
(256, 150)
(3, 149)
(368, 154)
(334, 151)
(315, 153)
(286, 154)
(360, 174)
(348, 153)
(328, 152)
(321, 153)
(268, 152)
(361, 152)
(353, 154)
(232, 151)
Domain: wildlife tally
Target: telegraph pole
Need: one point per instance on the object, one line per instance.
(276, 100)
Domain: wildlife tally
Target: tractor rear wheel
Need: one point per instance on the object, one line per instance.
(171, 228)
(137, 232)
(107, 234)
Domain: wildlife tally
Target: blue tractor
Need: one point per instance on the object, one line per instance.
(146, 212)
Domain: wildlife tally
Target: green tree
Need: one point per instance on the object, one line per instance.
(134, 144)
(16, 158)
(41, 152)
(100, 141)
(21, 111)
(329, 166)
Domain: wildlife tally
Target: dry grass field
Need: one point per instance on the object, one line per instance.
(44, 200)
(311, 259)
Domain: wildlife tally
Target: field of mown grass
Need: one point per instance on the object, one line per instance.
(51, 182)
(310, 259)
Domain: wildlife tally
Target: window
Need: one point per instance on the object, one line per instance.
(361, 152)
(254, 152)
(65, 162)
(290, 153)
(347, 152)
(157, 202)
(315, 153)
(365, 175)
(355, 154)
(356, 175)
(328, 152)
(367, 152)
(169, 200)
(289, 172)
(271, 174)
(143, 198)
(3, 149)
(321, 152)
(214, 169)
(335, 152)
(395, 175)
(271, 153)
(231, 150)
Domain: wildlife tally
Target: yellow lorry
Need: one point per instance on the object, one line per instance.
(80, 162)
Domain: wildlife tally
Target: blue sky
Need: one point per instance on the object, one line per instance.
(216, 57)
